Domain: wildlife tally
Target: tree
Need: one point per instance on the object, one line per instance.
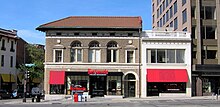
(34, 55)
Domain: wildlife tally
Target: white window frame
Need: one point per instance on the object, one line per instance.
(94, 55)
(54, 56)
(117, 55)
(127, 56)
(76, 56)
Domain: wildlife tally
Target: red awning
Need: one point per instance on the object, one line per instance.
(167, 75)
(57, 77)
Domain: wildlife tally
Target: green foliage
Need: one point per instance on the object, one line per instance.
(35, 56)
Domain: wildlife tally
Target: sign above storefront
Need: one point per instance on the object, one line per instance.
(97, 72)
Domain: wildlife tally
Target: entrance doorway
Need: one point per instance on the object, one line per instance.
(130, 84)
(97, 85)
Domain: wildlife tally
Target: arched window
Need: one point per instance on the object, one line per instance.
(76, 52)
(112, 51)
(130, 77)
(94, 52)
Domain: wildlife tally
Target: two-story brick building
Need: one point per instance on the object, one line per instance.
(98, 53)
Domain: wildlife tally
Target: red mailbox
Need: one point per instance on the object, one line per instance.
(75, 97)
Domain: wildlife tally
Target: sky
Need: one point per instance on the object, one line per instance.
(26, 15)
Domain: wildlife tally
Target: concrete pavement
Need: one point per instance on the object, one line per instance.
(98, 100)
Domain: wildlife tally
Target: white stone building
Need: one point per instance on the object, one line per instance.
(166, 63)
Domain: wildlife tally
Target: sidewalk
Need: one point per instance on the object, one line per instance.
(111, 100)
(124, 100)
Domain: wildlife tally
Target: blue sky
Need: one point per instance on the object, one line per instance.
(26, 15)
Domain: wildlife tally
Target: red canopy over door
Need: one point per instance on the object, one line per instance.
(167, 75)
(57, 77)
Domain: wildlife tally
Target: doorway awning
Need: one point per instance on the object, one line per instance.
(8, 78)
(57, 77)
(167, 75)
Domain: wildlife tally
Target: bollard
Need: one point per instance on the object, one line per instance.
(213, 96)
(216, 96)
(85, 99)
(32, 99)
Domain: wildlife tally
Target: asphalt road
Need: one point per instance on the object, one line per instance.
(125, 103)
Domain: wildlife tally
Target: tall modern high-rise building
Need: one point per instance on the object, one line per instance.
(201, 18)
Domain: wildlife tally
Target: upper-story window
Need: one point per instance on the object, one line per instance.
(152, 7)
(130, 56)
(112, 51)
(2, 60)
(3, 45)
(171, 11)
(76, 52)
(184, 16)
(11, 61)
(167, 3)
(175, 7)
(58, 55)
(183, 2)
(210, 12)
(175, 23)
(94, 52)
(165, 55)
(158, 13)
(208, 32)
(193, 11)
(12, 46)
(158, 2)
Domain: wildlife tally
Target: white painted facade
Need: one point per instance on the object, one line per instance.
(7, 69)
(165, 40)
(7, 36)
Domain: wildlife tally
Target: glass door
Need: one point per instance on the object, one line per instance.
(131, 89)
(97, 86)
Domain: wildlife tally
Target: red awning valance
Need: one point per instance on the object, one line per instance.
(57, 77)
(167, 75)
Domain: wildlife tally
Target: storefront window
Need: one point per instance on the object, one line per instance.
(206, 86)
(174, 87)
(155, 88)
(56, 89)
(82, 81)
(114, 85)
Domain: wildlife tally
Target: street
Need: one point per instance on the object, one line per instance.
(102, 102)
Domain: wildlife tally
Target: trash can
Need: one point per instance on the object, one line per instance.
(75, 97)
(38, 98)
